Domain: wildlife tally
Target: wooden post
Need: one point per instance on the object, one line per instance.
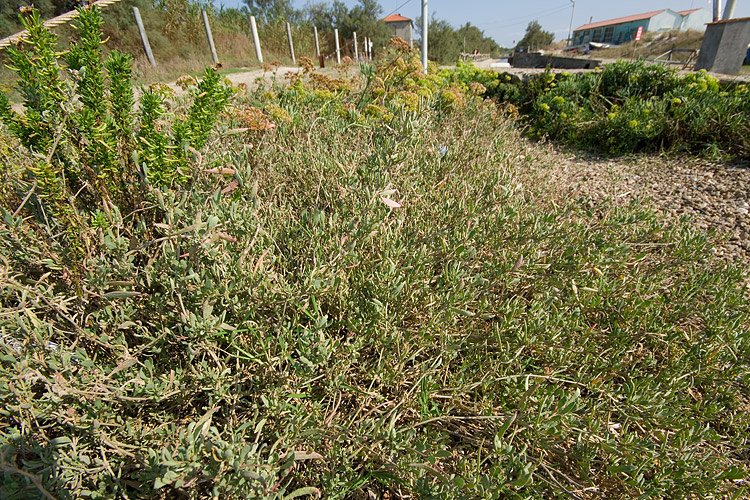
(210, 37)
(291, 45)
(356, 50)
(144, 36)
(338, 49)
(256, 41)
(317, 43)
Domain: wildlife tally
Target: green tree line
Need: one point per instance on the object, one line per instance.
(445, 43)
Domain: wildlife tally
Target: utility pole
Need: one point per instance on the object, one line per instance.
(570, 29)
(729, 9)
(425, 23)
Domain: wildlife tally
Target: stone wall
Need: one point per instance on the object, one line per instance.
(537, 60)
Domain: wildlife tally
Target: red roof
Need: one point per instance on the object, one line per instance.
(394, 18)
(627, 19)
(620, 20)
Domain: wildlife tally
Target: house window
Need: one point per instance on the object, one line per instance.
(608, 34)
(586, 36)
(597, 37)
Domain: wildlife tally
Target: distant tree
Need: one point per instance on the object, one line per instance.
(318, 14)
(535, 36)
(365, 19)
(445, 44)
(339, 14)
(273, 11)
(472, 38)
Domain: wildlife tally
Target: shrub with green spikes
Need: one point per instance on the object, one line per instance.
(79, 123)
(211, 96)
(153, 148)
(41, 86)
(121, 100)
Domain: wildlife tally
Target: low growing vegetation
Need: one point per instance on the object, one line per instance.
(349, 288)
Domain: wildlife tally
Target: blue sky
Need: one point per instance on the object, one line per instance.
(506, 21)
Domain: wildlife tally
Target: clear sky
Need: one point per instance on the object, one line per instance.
(506, 21)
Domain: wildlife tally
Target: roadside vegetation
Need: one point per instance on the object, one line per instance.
(627, 107)
(348, 287)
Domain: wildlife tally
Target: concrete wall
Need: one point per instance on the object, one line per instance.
(623, 32)
(401, 29)
(536, 60)
(626, 31)
(697, 20)
(724, 46)
(665, 21)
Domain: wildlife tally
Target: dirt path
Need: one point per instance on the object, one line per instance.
(713, 195)
(250, 78)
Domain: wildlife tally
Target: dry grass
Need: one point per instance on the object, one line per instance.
(654, 44)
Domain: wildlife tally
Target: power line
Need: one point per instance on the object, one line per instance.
(399, 7)
(524, 18)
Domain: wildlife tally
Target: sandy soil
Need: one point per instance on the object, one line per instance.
(251, 77)
(714, 196)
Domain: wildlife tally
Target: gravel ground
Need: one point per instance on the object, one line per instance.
(713, 195)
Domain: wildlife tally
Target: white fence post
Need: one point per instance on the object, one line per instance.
(256, 41)
(291, 45)
(338, 49)
(210, 37)
(144, 36)
(356, 50)
(317, 43)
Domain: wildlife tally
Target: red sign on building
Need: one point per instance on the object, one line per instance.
(639, 33)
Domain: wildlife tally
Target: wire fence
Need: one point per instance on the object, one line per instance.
(346, 47)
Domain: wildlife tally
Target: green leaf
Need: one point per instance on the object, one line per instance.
(301, 492)
(121, 294)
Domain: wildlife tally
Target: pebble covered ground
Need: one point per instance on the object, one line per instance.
(714, 195)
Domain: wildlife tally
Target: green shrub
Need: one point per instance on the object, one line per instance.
(627, 107)
(631, 107)
(78, 121)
